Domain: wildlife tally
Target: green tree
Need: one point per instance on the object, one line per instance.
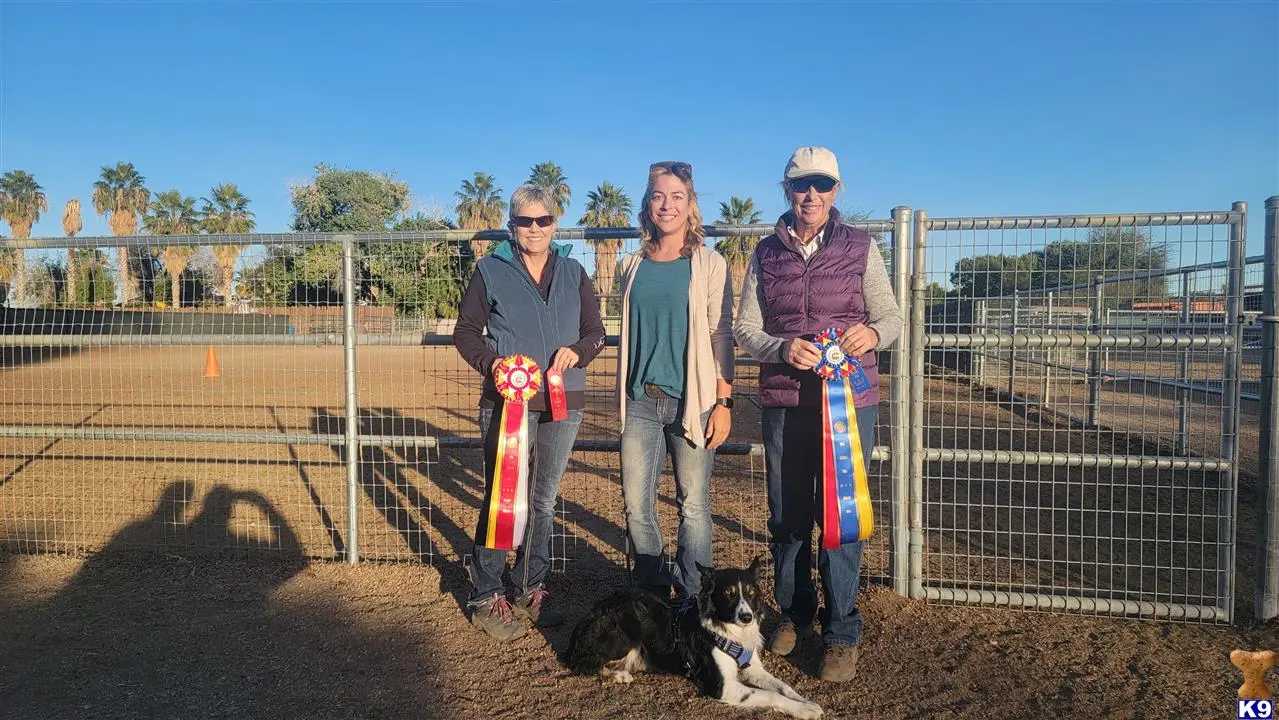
(45, 280)
(1106, 252)
(94, 286)
(173, 214)
(607, 206)
(418, 279)
(549, 176)
(121, 195)
(227, 213)
(737, 250)
(273, 281)
(994, 275)
(342, 201)
(479, 207)
(21, 202)
(1069, 264)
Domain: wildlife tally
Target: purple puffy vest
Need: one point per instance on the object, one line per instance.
(802, 299)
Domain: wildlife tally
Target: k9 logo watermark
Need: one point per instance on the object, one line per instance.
(1256, 709)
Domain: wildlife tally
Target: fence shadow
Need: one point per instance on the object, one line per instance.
(173, 631)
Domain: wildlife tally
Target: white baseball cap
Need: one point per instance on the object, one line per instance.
(812, 160)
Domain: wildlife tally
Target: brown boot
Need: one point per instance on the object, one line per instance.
(839, 664)
(786, 637)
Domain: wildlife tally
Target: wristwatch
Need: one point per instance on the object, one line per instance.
(726, 402)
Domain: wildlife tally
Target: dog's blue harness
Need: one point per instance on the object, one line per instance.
(741, 655)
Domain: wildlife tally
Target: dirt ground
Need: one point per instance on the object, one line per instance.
(177, 635)
(201, 579)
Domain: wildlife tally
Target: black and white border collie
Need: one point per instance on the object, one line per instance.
(714, 639)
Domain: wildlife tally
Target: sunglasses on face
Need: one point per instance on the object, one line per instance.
(526, 221)
(681, 170)
(822, 183)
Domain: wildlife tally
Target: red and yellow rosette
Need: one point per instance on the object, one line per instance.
(847, 514)
(518, 379)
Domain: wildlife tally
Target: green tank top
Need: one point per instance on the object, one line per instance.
(659, 326)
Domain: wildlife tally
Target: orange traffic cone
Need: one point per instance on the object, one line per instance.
(211, 369)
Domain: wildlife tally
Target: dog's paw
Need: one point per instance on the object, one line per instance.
(623, 677)
(809, 711)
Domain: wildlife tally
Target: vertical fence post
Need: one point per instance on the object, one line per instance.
(1230, 410)
(919, 267)
(1094, 356)
(899, 395)
(1267, 594)
(1183, 395)
(1012, 354)
(979, 355)
(351, 435)
(1049, 354)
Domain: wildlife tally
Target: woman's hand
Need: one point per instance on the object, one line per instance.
(718, 426)
(858, 340)
(564, 359)
(801, 354)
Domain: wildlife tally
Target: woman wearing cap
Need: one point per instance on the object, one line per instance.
(674, 376)
(813, 273)
(527, 297)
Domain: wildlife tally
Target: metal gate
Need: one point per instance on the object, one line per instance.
(1061, 459)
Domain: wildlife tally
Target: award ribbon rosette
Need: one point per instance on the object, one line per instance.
(518, 379)
(847, 515)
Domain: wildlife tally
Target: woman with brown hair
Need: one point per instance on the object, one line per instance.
(674, 376)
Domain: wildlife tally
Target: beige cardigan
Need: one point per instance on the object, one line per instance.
(710, 335)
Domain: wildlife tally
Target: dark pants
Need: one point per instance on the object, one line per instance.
(793, 465)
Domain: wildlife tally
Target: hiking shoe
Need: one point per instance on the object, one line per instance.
(785, 638)
(532, 605)
(496, 616)
(839, 664)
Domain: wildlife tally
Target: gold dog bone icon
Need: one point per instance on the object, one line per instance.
(1254, 666)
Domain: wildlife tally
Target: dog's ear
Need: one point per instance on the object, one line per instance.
(753, 569)
(708, 576)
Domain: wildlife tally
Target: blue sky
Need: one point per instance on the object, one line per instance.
(962, 108)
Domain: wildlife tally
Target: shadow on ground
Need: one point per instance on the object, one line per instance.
(172, 632)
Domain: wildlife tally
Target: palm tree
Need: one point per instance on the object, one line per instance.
(72, 223)
(173, 214)
(228, 212)
(606, 206)
(21, 202)
(550, 176)
(479, 207)
(121, 194)
(737, 250)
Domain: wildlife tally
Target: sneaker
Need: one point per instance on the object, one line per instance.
(531, 605)
(785, 638)
(496, 616)
(839, 664)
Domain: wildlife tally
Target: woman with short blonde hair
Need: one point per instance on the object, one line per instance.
(527, 297)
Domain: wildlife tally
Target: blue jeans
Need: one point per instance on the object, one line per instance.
(793, 466)
(653, 429)
(551, 445)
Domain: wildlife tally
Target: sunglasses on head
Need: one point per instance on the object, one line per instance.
(526, 221)
(681, 170)
(822, 183)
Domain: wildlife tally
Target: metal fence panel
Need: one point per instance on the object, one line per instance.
(341, 417)
(1077, 395)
